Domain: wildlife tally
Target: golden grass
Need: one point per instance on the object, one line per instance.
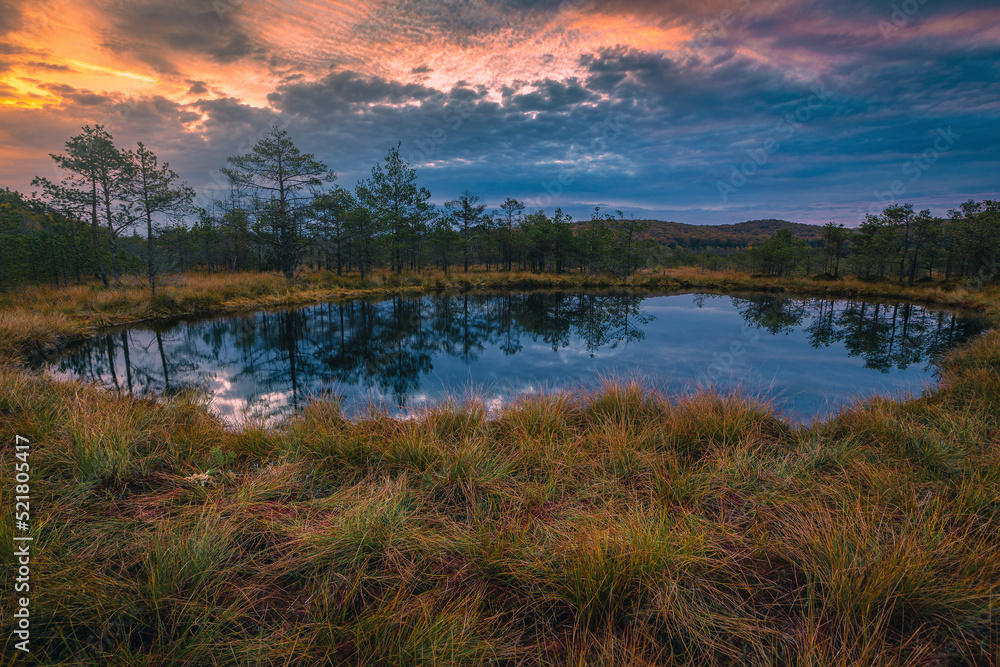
(612, 526)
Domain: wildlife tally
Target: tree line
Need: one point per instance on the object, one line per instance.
(118, 211)
(284, 211)
(898, 244)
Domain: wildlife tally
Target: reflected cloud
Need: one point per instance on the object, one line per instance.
(405, 354)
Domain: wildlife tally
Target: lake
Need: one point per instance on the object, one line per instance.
(809, 356)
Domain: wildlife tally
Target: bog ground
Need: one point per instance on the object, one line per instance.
(616, 527)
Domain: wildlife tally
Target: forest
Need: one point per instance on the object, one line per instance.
(122, 213)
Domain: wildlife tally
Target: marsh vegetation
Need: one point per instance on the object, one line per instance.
(616, 526)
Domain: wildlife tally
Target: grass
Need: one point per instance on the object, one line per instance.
(611, 526)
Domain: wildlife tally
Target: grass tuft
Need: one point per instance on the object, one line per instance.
(607, 526)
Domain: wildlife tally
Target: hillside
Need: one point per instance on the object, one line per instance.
(737, 235)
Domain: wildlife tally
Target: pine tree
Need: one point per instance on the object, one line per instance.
(398, 206)
(154, 192)
(511, 215)
(95, 186)
(467, 212)
(280, 178)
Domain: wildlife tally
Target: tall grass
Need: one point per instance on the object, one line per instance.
(614, 525)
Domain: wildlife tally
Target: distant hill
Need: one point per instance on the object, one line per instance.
(738, 235)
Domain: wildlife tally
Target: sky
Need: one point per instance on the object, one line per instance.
(699, 111)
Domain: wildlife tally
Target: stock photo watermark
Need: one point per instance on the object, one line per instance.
(918, 165)
(22, 543)
(610, 128)
(900, 16)
(785, 128)
(427, 146)
(718, 27)
(725, 363)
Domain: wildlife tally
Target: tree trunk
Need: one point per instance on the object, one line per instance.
(149, 253)
(114, 237)
(94, 234)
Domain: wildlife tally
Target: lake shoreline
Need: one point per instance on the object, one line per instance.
(40, 321)
(497, 346)
(614, 521)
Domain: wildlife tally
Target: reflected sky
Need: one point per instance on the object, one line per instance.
(809, 356)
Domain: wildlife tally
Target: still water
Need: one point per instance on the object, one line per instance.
(809, 356)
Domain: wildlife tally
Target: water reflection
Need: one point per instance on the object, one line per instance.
(886, 336)
(408, 351)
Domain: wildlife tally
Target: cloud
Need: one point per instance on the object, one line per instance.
(636, 104)
(57, 67)
(70, 95)
(155, 30)
(10, 17)
(346, 90)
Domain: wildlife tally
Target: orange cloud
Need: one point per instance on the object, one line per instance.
(77, 46)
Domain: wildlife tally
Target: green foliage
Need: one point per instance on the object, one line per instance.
(398, 209)
(153, 192)
(98, 183)
(277, 216)
(40, 245)
(278, 177)
(779, 256)
(473, 225)
(835, 239)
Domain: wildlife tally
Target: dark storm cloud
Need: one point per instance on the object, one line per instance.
(780, 18)
(680, 88)
(227, 116)
(346, 90)
(82, 97)
(854, 9)
(551, 96)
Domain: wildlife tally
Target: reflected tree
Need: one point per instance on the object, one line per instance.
(773, 314)
(272, 362)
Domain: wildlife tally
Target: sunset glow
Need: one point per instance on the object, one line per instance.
(694, 85)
